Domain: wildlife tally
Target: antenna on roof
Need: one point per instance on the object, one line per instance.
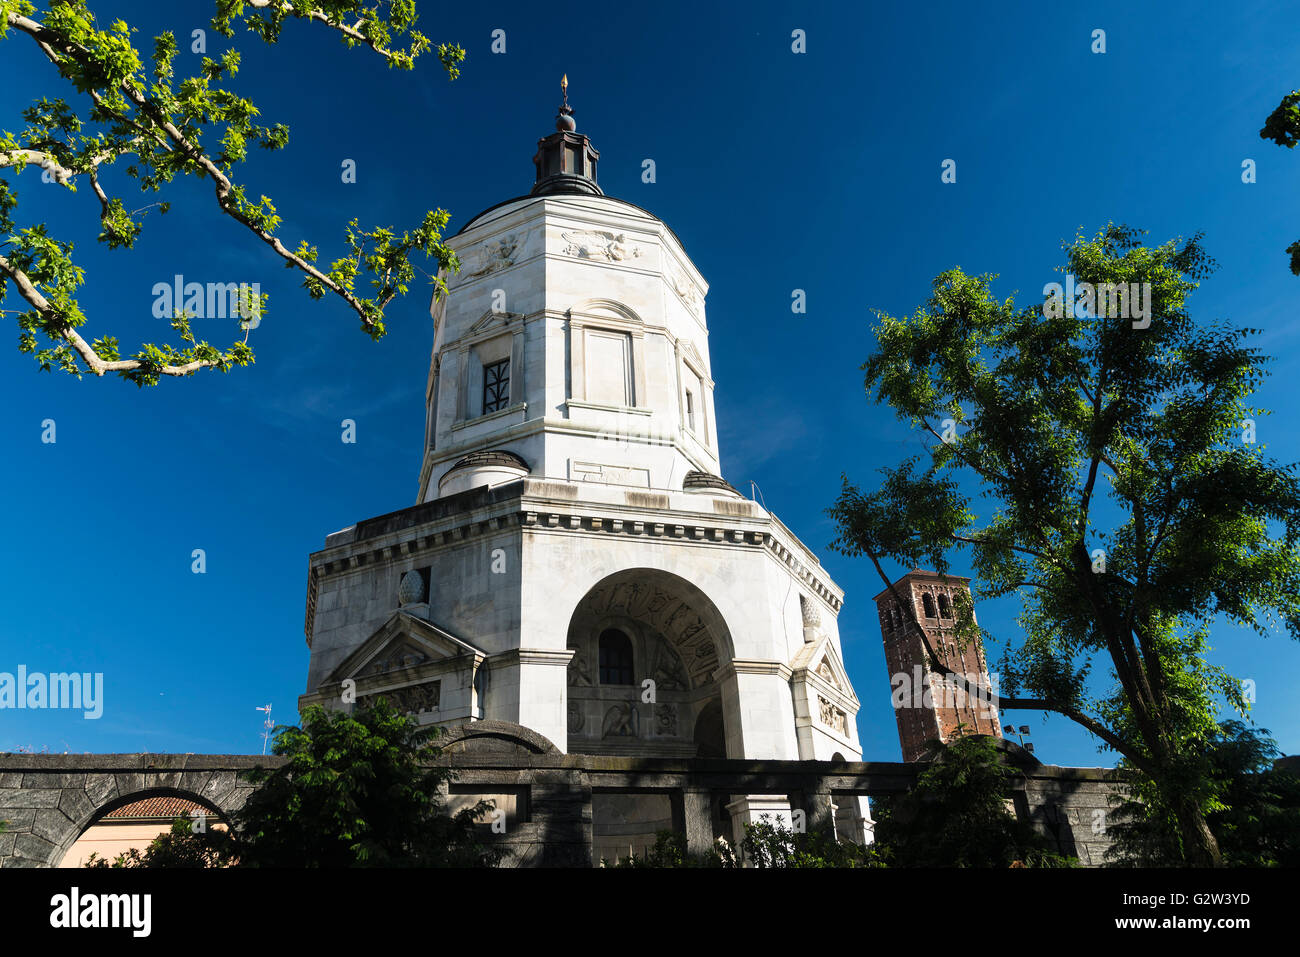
(267, 726)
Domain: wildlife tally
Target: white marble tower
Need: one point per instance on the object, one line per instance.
(574, 562)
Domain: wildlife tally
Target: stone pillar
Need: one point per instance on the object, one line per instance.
(758, 710)
(819, 809)
(753, 808)
(853, 820)
(560, 806)
(530, 687)
(698, 823)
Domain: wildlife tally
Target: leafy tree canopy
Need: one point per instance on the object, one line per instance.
(1254, 808)
(180, 847)
(960, 815)
(137, 125)
(1125, 499)
(358, 790)
(1283, 128)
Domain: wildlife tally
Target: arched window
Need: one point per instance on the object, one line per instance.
(615, 658)
(927, 600)
(945, 607)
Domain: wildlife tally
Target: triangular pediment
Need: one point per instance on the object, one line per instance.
(693, 354)
(490, 319)
(403, 641)
(820, 658)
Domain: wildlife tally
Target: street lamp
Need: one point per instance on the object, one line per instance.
(1021, 733)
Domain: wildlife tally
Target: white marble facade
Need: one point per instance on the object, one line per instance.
(580, 512)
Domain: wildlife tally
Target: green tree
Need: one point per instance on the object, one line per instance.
(771, 844)
(357, 790)
(1039, 410)
(669, 850)
(181, 846)
(140, 127)
(1255, 810)
(957, 815)
(767, 844)
(1283, 128)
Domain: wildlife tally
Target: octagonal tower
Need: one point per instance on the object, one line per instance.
(574, 562)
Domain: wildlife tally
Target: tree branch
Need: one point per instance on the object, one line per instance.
(59, 326)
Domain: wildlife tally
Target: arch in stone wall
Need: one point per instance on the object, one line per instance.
(494, 737)
(49, 802)
(66, 845)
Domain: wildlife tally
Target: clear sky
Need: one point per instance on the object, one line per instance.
(818, 171)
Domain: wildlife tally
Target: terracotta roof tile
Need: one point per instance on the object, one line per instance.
(169, 808)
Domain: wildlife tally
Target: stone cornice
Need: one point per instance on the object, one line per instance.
(541, 506)
(578, 517)
(752, 666)
(801, 570)
(827, 690)
(533, 656)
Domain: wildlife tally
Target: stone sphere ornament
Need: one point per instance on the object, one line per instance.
(411, 588)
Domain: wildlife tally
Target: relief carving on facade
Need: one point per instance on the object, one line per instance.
(668, 672)
(620, 721)
(666, 719)
(490, 257)
(576, 718)
(579, 672)
(824, 670)
(658, 599)
(600, 245)
(672, 617)
(395, 657)
(833, 717)
(413, 699)
(683, 286)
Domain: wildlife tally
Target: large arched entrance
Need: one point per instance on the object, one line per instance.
(646, 645)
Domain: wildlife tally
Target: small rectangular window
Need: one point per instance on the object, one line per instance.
(496, 386)
(690, 411)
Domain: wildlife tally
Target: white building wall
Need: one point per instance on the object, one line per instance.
(566, 287)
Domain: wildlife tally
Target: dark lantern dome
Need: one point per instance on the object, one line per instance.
(565, 160)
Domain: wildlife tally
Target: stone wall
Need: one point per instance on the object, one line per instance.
(47, 801)
(1072, 807)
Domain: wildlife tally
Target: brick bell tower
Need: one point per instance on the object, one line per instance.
(926, 706)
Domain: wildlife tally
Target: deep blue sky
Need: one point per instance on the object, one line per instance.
(778, 171)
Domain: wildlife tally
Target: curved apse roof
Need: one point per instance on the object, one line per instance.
(489, 457)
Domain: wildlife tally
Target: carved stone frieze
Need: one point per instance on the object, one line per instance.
(620, 721)
(493, 255)
(599, 245)
(413, 699)
(666, 719)
(672, 617)
(395, 657)
(832, 717)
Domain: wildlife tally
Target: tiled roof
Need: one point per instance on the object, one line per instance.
(168, 808)
(695, 479)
